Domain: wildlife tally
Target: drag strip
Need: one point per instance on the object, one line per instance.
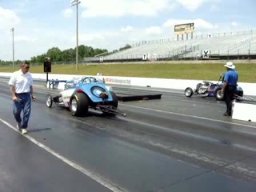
(168, 144)
(72, 164)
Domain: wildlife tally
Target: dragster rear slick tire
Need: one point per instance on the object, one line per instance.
(79, 104)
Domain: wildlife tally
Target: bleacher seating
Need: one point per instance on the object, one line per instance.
(220, 44)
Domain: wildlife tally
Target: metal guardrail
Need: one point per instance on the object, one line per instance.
(54, 83)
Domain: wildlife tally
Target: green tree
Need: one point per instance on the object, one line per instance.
(38, 59)
(68, 55)
(55, 54)
(100, 51)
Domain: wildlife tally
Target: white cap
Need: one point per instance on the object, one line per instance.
(230, 65)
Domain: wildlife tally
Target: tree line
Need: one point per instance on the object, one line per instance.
(67, 56)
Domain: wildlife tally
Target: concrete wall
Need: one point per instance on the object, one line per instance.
(180, 84)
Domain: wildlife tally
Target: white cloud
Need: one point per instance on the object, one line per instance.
(203, 24)
(234, 24)
(127, 29)
(196, 4)
(27, 39)
(67, 13)
(214, 8)
(100, 40)
(91, 37)
(117, 8)
(154, 30)
(8, 18)
(191, 5)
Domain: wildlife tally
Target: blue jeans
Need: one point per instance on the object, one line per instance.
(22, 106)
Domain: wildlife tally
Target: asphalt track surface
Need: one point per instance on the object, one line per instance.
(172, 144)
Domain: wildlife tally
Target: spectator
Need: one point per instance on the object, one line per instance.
(229, 86)
(22, 91)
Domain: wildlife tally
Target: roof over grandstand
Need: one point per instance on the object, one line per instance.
(41, 25)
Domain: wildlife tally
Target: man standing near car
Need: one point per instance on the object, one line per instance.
(21, 87)
(229, 86)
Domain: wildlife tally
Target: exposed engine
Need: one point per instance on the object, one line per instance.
(202, 89)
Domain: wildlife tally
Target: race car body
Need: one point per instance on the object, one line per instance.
(84, 94)
(210, 89)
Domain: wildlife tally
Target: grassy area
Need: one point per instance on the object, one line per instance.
(204, 71)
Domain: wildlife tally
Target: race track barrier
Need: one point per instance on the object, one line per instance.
(55, 84)
(241, 111)
(244, 111)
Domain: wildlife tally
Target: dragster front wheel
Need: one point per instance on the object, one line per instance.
(49, 101)
(188, 92)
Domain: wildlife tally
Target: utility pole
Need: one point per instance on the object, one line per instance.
(12, 30)
(76, 3)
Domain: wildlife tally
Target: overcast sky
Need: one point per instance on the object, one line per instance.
(110, 24)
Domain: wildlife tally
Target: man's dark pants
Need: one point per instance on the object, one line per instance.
(229, 97)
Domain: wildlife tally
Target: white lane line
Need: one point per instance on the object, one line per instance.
(99, 179)
(192, 116)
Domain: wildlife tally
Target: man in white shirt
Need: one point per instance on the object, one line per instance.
(21, 87)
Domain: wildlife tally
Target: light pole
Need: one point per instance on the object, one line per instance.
(12, 30)
(76, 3)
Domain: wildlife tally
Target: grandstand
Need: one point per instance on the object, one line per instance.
(235, 45)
